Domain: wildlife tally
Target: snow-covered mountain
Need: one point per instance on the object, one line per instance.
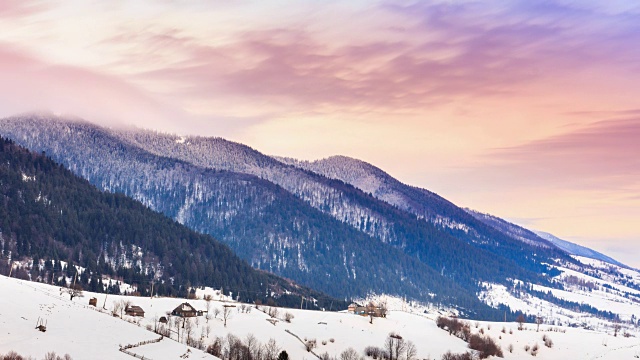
(339, 225)
(577, 250)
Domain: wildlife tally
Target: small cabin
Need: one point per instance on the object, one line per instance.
(163, 320)
(352, 308)
(185, 310)
(93, 301)
(134, 310)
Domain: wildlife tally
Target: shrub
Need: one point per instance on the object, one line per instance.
(288, 317)
(464, 356)
(547, 341)
(485, 345)
(510, 348)
(311, 344)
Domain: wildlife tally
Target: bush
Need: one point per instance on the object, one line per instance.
(288, 317)
(547, 341)
(485, 345)
(376, 352)
(534, 349)
(464, 356)
(311, 344)
(510, 348)
(455, 327)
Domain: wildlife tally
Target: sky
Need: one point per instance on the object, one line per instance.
(528, 110)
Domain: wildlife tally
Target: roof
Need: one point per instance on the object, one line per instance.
(134, 308)
(184, 307)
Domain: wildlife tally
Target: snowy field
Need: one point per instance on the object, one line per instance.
(83, 332)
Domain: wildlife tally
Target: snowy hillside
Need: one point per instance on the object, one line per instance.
(84, 332)
(577, 250)
(597, 295)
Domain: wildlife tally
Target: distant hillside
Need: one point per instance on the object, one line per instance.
(578, 250)
(47, 213)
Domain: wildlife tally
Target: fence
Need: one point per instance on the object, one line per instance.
(125, 349)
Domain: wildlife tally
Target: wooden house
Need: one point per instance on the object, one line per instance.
(134, 310)
(185, 310)
(351, 309)
(93, 301)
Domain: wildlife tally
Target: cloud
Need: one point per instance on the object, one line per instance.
(430, 54)
(29, 84)
(13, 9)
(599, 156)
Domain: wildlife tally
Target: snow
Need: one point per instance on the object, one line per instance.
(72, 326)
(84, 332)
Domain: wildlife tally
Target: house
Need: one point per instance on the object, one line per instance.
(134, 310)
(351, 309)
(185, 310)
(93, 301)
(163, 320)
(370, 309)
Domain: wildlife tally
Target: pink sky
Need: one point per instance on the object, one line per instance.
(526, 110)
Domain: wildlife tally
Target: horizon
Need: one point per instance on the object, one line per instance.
(523, 111)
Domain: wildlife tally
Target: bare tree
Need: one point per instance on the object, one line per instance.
(177, 325)
(616, 328)
(383, 309)
(412, 351)
(216, 312)
(74, 290)
(188, 330)
(395, 346)
(349, 354)
(117, 305)
(539, 320)
(271, 350)
(520, 320)
(226, 314)
(125, 304)
(208, 307)
(155, 323)
(371, 311)
(253, 346)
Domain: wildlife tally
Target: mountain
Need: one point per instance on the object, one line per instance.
(513, 230)
(578, 250)
(50, 216)
(293, 221)
(540, 238)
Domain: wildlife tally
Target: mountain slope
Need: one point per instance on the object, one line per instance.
(50, 215)
(578, 250)
(513, 230)
(266, 225)
(289, 220)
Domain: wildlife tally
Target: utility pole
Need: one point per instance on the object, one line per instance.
(10, 268)
(152, 289)
(301, 300)
(74, 279)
